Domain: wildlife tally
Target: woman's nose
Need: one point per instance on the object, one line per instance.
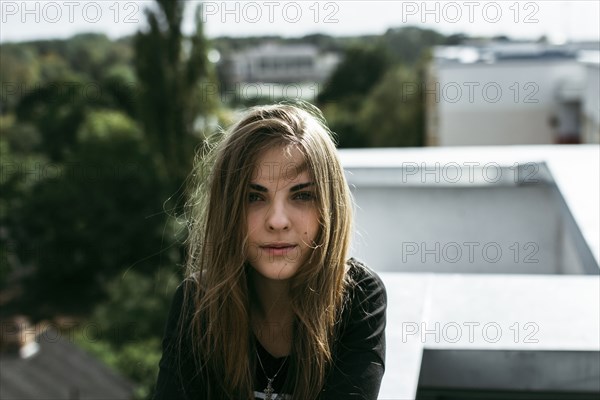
(277, 217)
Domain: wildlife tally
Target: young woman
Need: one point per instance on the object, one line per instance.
(272, 307)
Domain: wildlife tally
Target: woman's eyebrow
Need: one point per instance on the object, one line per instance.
(301, 186)
(294, 188)
(258, 188)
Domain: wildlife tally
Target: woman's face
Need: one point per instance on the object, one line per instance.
(282, 215)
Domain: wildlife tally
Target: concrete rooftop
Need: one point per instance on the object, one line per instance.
(519, 331)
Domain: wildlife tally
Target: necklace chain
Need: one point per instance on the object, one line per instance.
(263, 368)
(269, 388)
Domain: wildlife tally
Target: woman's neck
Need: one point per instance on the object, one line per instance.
(272, 299)
(272, 317)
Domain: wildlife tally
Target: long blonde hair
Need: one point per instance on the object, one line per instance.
(221, 333)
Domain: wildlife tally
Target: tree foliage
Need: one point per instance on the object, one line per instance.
(408, 45)
(93, 215)
(93, 145)
(393, 111)
(171, 71)
(360, 70)
(374, 97)
(344, 93)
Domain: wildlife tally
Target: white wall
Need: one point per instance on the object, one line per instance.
(490, 229)
(508, 102)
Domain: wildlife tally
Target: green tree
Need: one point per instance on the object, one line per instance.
(93, 215)
(393, 113)
(56, 110)
(90, 52)
(172, 71)
(17, 177)
(407, 45)
(342, 120)
(344, 93)
(361, 68)
(19, 70)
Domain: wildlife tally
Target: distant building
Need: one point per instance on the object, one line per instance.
(275, 63)
(40, 364)
(508, 93)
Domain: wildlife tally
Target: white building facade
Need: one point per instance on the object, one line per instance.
(506, 94)
(276, 63)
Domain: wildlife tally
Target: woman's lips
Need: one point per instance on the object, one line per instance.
(277, 249)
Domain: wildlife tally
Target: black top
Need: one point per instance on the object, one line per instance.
(358, 352)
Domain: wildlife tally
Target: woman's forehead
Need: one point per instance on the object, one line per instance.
(280, 162)
(286, 155)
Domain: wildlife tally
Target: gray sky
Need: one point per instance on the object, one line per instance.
(559, 20)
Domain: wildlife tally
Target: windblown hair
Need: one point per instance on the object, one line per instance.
(217, 267)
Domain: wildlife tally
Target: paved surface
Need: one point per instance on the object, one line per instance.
(553, 312)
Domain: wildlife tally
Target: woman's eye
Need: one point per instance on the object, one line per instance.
(304, 196)
(252, 197)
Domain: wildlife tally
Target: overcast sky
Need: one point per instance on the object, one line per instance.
(558, 20)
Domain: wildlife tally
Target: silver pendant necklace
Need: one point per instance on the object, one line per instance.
(269, 389)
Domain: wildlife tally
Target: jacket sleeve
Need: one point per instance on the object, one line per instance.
(175, 380)
(359, 355)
